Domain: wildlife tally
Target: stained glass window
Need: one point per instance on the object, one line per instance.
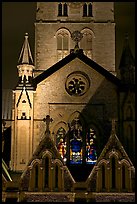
(76, 143)
(91, 153)
(61, 142)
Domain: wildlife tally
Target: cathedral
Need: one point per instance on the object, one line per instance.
(71, 136)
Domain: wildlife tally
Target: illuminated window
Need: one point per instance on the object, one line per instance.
(86, 42)
(76, 142)
(62, 44)
(77, 146)
(61, 142)
(91, 153)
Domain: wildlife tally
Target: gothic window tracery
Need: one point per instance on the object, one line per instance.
(91, 153)
(78, 145)
(62, 44)
(86, 42)
(61, 142)
(76, 142)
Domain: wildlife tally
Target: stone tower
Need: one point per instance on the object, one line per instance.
(22, 112)
(55, 22)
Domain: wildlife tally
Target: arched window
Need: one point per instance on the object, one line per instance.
(59, 9)
(76, 142)
(65, 9)
(36, 176)
(56, 176)
(62, 44)
(85, 10)
(62, 9)
(86, 42)
(91, 153)
(123, 177)
(90, 10)
(113, 175)
(61, 142)
(46, 176)
(103, 177)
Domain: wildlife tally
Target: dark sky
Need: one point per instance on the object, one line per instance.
(19, 17)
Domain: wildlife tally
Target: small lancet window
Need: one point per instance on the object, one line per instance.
(59, 9)
(91, 153)
(61, 142)
(36, 176)
(56, 176)
(23, 116)
(65, 10)
(85, 10)
(113, 175)
(123, 177)
(46, 180)
(103, 177)
(90, 10)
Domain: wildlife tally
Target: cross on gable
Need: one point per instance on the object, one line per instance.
(47, 120)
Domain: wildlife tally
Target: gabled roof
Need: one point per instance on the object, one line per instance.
(114, 144)
(73, 55)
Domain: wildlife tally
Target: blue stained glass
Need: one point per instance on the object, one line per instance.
(76, 151)
(91, 154)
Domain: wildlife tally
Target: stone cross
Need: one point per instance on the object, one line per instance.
(76, 37)
(47, 120)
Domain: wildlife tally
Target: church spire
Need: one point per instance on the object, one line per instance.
(127, 64)
(25, 55)
(25, 65)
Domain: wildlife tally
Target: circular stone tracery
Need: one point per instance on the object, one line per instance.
(77, 83)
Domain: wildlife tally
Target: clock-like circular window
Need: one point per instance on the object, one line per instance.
(77, 83)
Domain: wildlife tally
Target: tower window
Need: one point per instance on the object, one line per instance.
(62, 9)
(87, 10)
(65, 10)
(62, 44)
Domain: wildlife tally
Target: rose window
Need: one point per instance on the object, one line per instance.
(77, 84)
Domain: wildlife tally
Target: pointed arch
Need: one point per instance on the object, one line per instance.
(113, 174)
(129, 113)
(84, 10)
(63, 43)
(86, 42)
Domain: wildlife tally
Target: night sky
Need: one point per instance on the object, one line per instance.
(19, 17)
